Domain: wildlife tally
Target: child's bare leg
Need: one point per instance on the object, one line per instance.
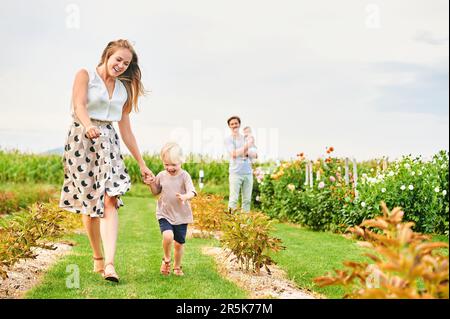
(167, 243)
(178, 254)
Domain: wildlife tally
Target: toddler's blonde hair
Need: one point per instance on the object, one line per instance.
(172, 152)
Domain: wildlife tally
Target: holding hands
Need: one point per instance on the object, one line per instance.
(147, 175)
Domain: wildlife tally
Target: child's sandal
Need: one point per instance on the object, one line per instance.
(178, 271)
(165, 267)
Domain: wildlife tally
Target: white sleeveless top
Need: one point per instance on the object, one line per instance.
(99, 106)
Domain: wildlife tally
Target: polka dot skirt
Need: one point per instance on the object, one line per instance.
(92, 167)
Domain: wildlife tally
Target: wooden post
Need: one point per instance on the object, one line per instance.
(201, 175)
(385, 164)
(306, 173)
(311, 174)
(318, 175)
(355, 178)
(346, 171)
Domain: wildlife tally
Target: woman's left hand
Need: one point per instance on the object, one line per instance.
(146, 173)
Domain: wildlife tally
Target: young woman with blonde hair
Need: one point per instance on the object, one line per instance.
(94, 172)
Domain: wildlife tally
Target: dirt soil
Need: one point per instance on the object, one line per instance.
(276, 285)
(26, 273)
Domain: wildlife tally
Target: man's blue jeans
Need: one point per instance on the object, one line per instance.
(236, 183)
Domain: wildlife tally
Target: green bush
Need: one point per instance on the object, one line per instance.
(247, 235)
(23, 232)
(14, 197)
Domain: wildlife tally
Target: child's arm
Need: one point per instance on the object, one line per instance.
(190, 189)
(187, 196)
(154, 184)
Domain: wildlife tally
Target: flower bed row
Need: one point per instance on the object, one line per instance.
(420, 187)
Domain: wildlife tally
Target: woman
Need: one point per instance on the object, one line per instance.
(94, 172)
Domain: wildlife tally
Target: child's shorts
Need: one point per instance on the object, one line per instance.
(179, 231)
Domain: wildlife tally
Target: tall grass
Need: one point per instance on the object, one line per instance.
(18, 167)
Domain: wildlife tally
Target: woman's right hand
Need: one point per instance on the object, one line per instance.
(92, 132)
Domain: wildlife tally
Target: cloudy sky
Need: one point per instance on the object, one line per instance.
(367, 77)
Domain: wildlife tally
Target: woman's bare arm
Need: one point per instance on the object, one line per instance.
(79, 102)
(129, 139)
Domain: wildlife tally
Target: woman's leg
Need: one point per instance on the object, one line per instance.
(92, 226)
(109, 226)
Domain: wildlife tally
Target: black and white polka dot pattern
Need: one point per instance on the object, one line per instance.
(92, 167)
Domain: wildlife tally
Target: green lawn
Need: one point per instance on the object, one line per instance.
(139, 256)
(310, 254)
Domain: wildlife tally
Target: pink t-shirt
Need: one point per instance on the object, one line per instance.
(169, 206)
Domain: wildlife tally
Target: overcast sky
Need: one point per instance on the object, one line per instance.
(367, 77)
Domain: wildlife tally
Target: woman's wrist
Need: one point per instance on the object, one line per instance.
(89, 126)
(142, 164)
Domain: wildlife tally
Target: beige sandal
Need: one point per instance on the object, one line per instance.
(165, 267)
(178, 271)
(110, 276)
(97, 269)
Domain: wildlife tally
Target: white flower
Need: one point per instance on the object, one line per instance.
(391, 173)
(413, 173)
(371, 169)
(383, 190)
(364, 175)
(321, 185)
(437, 189)
(444, 192)
(407, 166)
(363, 204)
(291, 187)
(419, 173)
(443, 166)
(403, 187)
(258, 199)
(411, 187)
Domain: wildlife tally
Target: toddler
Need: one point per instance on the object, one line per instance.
(251, 140)
(173, 210)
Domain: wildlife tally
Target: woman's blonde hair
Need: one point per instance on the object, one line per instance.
(131, 78)
(172, 152)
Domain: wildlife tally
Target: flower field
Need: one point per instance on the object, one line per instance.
(330, 194)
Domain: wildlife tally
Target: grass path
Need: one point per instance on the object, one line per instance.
(138, 260)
